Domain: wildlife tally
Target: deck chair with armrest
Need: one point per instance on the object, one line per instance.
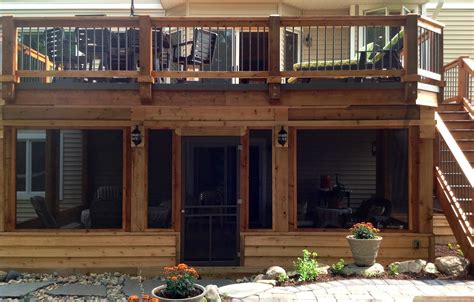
(45, 216)
(370, 56)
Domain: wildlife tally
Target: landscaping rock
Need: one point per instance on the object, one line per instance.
(430, 268)
(323, 269)
(259, 277)
(272, 282)
(452, 265)
(12, 275)
(3, 276)
(411, 266)
(274, 272)
(212, 293)
(368, 271)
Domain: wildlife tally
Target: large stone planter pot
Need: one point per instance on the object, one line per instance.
(364, 251)
(191, 299)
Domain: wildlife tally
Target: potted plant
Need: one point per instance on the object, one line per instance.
(364, 243)
(180, 285)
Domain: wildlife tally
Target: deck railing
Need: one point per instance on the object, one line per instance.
(455, 178)
(459, 81)
(273, 49)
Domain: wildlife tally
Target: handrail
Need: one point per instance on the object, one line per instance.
(459, 76)
(455, 150)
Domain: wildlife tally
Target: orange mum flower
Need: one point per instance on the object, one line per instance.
(182, 266)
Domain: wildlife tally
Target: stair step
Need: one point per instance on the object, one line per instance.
(465, 144)
(463, 133)
(448, 107)
(454, 115)
(460, 124)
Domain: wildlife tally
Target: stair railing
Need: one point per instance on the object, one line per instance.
(459, 82)
(455, 178)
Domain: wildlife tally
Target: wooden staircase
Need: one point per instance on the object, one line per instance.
(455, 153)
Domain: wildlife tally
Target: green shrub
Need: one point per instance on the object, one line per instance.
(455, 247)
(282, 277)
(307, 267)
(338, 267)
(393, 269)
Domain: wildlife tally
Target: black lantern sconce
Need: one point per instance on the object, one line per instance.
(136, 136)
(282, 136)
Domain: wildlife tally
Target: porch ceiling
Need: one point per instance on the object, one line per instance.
(301, 4)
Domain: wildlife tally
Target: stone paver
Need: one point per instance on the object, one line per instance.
(79, 290)
(18, 290)
(131, 287)
(353, 290)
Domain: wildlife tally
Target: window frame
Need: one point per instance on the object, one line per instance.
(28, 137)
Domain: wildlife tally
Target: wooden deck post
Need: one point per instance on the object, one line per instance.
(425, 187)
(410, 44)
(280, 184)
(139, 185)
(9, 58)
(145, 79)
(274, 80)
(2, 180)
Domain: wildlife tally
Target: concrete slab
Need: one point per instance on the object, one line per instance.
(79, 290)
(242, 290)
(18, 290)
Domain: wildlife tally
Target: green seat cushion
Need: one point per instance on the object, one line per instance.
(337, 62)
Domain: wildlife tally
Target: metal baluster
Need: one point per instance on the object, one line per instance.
(102, 48)
(93, 46)
(22, 49)
(77, 39)
(309, 48)
(46, 46)
(333, 44)
(325, 42)
(232, 37)
(258, 47)
(218, 46)
(301, 48)
(317, 43)
(70, 48)
(29, 59)
(126, 49)
(250, 50)
(340, 55)
(293, 46)
(209, 50)
(62, 47)
(37, 42)
(241, 54)
(201, 44)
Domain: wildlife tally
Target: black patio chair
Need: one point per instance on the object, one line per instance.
(94, 44)
(196, 52)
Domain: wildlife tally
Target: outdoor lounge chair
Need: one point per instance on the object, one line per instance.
(201, 52)
(45, 216)
(369, 56)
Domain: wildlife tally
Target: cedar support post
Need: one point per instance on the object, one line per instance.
(145, 79)
(9, 58)
(410, 44)
(280, 188)
(274, 80)
(2, 180)
(139, 184)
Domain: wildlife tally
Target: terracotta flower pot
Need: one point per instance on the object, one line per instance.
(191, 299)
(364, 251)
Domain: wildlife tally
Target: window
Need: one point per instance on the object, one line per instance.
(30, 169)
(69, 179)
(348, 176)
(260, 179)
(160, 161)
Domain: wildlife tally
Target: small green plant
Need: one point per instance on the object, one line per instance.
(282, 278)
(393, 269)
(456, 248)
(364, 230)
(307, 267)
(338, 267)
